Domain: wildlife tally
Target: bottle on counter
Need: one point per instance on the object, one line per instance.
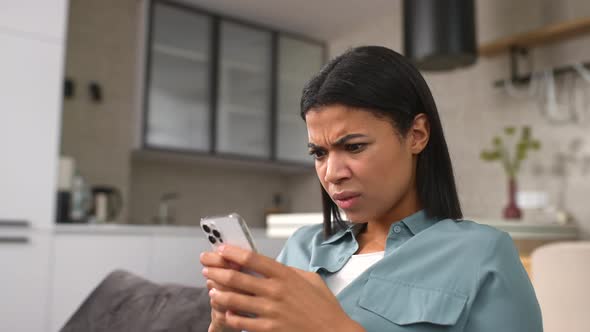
(80, 199)
(64, 189)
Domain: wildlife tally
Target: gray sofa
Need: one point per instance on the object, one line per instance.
(124, 302)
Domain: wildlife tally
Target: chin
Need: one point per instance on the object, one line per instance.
(355, 217)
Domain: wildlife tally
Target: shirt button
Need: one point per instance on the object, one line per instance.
(397, 229)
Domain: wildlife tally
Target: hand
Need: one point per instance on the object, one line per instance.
(214, 260)
(283, 299)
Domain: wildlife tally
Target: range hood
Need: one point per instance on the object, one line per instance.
(440, 34)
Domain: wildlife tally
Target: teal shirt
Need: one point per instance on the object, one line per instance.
(447, 275)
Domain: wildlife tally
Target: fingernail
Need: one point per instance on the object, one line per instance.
(221, 248)
(212, 292)
(205, 271)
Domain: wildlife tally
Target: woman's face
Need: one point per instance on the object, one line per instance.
(364, 164)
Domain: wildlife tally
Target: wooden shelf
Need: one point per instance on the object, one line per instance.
(545, 35)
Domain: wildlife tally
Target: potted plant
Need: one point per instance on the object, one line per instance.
(511, 160)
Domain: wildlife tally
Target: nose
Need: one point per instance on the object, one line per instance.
(337, 169)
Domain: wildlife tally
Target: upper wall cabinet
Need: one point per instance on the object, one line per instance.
(178, 88)
(243, 100)
(298, 62)
(223, 87)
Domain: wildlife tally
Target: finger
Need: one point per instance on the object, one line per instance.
(218, 317)
(241, 323)
(252, 261)
(239, 282)
(217, 307)
(237, 302)
(214, 259)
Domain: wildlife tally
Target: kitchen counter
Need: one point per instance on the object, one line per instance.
(137, 229)
(283, 225)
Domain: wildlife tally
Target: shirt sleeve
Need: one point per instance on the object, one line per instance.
(505, 300)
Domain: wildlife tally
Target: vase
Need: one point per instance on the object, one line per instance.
(511, 211)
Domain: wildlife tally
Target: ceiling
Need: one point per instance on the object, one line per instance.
(317, 19)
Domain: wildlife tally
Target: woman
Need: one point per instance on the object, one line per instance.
(404, 260)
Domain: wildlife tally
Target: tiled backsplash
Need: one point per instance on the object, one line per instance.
(205, 191)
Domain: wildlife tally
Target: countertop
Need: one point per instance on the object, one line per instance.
(137, 229)
(517, 229)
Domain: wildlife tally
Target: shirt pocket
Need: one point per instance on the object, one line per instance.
(405, 304)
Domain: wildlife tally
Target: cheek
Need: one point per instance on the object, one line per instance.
(389, 174)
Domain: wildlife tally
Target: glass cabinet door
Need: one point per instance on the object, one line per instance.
(298, 61)
(178, 92)
(244, 90)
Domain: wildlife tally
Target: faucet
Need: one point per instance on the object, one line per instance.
(165, 211)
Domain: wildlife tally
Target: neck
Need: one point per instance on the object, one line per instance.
(374, 236)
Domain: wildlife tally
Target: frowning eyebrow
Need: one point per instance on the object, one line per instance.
(339, 142)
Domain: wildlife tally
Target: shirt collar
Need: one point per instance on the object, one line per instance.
(416, 223)
(353, 229)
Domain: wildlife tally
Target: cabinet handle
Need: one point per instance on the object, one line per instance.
(14, 223)
(14, 240)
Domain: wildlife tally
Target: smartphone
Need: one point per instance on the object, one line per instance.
(229, 229)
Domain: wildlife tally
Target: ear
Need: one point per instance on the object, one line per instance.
(419, 133)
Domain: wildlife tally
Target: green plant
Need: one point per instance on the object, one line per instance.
(500, 150)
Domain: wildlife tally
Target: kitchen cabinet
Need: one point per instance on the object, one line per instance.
(84, 254)
(175, 259)
(24, 279)
(37, 19)
(31, 84)
(178, 91)
(298, 61)
(244, 104)
(81, 261)
(221, 87)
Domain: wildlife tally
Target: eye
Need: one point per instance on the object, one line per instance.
(317, 154)
(355, 147)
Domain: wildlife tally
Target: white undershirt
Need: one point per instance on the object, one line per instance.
(356, 265)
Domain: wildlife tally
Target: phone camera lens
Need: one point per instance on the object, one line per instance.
(220, 240)
(212, 239)
(206, 229)
(216, 233)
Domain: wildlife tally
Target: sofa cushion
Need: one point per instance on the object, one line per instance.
(126, 302)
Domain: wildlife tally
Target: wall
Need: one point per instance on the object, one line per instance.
(101, 47)
(473, 111)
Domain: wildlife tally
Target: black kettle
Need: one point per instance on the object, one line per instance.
(107, 202)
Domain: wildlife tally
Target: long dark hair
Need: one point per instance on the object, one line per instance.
(379, 80)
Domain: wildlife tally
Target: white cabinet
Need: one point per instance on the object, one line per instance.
(40, 19)
(30, 103)
(82, 258)
(175, 259)
(24, 281)
(82, 261)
